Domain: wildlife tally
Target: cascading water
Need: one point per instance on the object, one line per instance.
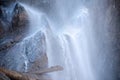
(71, 48)
(71, 43)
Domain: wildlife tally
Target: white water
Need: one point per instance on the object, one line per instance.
(71, 45)
(71, 48)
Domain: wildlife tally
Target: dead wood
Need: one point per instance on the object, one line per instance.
(14, 75)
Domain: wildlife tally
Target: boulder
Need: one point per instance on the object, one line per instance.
(19, 52)
(27, 55)
(13, 22)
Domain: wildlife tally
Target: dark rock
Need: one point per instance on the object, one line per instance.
(18, 52)
(20, 17)
(1, 29)
(13, 22)
(6, 3)
(27, 55)
(3, 77)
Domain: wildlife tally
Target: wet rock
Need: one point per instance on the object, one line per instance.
(1, 29)
(26, 56)
(18, 52)
(6, 3)
(13, 22)
(20, 18)
(3, 77)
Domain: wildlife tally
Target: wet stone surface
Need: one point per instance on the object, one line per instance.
(13, 21)
(18, 52)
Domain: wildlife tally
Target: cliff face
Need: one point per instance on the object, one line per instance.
(27, 55)
(112, 19)
(110, 39)
(17, 51)
(13, 22)
(117, 37)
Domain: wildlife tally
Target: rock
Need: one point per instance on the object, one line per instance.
(20, 18)
(19, 52)
(1, 29)
(6, 3)
(3, 76)
(27, 55)
(13, 22)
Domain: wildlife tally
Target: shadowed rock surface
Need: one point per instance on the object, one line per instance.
(13, 22)
(17, 51)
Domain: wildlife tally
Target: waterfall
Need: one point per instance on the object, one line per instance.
(71, 39)
(72, 48)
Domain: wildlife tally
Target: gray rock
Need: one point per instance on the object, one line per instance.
(27, 55)
(13, 21)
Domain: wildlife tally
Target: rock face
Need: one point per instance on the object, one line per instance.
(26, 55)
(13, 21)
(17, 51)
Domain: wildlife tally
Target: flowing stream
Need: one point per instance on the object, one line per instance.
(71, 39)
